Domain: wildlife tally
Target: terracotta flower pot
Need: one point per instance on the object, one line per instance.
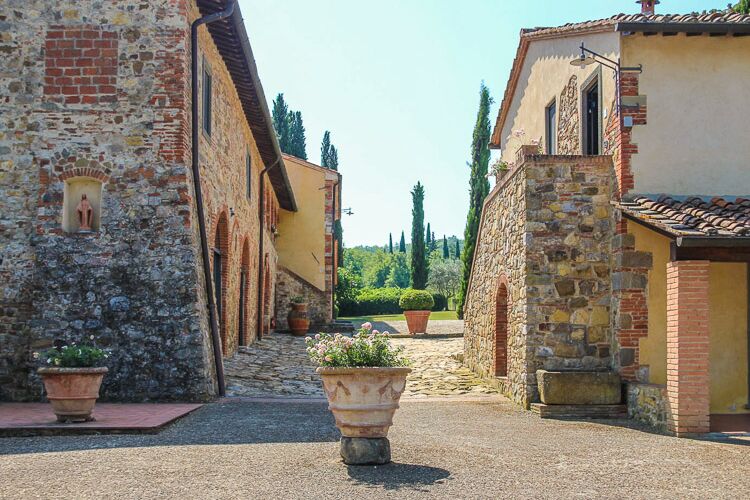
(417, 321)
(363, 400)
(72, 391)
(299, 323)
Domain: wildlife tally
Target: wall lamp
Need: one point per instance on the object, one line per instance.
(590, 57)
(347, 211)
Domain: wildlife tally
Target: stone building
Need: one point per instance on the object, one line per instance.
(620, 240)
(96, 101)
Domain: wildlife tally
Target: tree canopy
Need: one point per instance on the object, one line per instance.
(418, 251)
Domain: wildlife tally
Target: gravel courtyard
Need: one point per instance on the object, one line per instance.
(441, 449)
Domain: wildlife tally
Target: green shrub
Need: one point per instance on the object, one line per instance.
(441, 302)
(416, 300)
(73, 356)
(372, 301)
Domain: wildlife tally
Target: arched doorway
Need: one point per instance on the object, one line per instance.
(220, 273)
(242, 327)
(501, 329)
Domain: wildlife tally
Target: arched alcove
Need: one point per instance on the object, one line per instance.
(82, 202)
(501, 329)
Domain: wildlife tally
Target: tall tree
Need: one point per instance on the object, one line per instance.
(446, 253)
(479, 187)
(325, 149)
(457, 255)
(418, 258)
(280, 117)
(402, 244)
(333, 160)
(427, 236)
(297, 145)
(433, 242)
(743, 7)
(390, 243)
(400, 275)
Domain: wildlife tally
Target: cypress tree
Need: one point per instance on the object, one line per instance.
(433, 242)
(446, 253)
(418, 257)
(402, 244)
(427, 236)
(297, 145)
(325, 149)
(458, 250)
(333, 159)
(479, 187)
(280, 118)
(390, 243)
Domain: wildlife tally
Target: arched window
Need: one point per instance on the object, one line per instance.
(242, 327)
(220, 273)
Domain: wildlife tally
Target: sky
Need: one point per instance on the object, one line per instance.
(397, 84)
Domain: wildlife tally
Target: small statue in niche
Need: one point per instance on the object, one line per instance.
(85, 214)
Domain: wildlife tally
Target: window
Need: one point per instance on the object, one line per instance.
(249, 175)
(550, 127)
(207, 84)
(592, 119)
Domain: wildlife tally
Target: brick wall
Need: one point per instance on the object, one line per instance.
(688, 377)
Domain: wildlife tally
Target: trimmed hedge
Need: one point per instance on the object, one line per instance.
(441, 302)
(416, 300)
(372, 301)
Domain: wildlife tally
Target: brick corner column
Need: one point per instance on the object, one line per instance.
(688, 347)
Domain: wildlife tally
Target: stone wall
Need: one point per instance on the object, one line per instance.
(135, 285)
(647, 403)
(546, 228)
(290, 285)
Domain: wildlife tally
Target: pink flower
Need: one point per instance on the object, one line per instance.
(375, 332)
(328, 358)
(367, 326)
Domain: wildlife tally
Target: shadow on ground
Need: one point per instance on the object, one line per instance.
(214, 424)
(395, 476)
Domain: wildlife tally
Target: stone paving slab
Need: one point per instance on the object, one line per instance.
(29, 419)
(434, 327)
(278, 366)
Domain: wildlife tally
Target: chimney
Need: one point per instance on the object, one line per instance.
(648, 6)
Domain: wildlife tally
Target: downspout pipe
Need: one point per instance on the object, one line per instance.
(210, 298)
(334, 261)
(261, 262)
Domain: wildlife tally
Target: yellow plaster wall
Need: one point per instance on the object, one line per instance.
(546, 71)
(695, 141)
(301, 241)
(728, 323)
(653, 348)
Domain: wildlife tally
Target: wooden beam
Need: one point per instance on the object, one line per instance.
(715, 254)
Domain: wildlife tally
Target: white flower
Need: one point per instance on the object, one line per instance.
(91, 337)
(36, 355)
(49, 360)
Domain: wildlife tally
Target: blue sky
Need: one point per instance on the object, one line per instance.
(397, 83)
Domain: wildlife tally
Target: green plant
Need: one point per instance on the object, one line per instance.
(416, 300)
(441, 302)
(73, 356)
(371, 301)
(419, 269)
(368, 348)
(298, 300)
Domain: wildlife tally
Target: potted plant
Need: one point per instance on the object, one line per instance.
(417, 305)
(72, 379)
(297, 318)
(363, 378)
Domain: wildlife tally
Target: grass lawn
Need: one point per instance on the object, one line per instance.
(439, 315)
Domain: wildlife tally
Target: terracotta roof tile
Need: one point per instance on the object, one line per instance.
(693, 216)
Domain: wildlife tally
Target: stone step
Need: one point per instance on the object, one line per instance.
(579, 411)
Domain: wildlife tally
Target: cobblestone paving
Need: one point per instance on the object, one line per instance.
(278, 366)
(434, 327)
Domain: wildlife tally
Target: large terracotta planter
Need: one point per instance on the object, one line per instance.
(299, 323)
(363, 400)
(72, 391)
(417, 321)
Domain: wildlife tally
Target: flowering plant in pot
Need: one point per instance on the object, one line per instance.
(363, 378)
(417, 305)
(299, 322)
(72, 379)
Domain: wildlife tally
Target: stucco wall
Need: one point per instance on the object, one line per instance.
(727, 322)
(301, 240)
(545, 73)
(695, 141)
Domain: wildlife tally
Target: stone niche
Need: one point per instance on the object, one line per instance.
(75, 188)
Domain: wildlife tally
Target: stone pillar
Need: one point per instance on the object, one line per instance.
(687, 347)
